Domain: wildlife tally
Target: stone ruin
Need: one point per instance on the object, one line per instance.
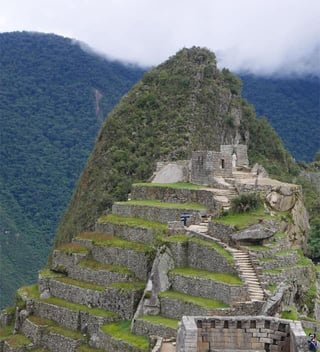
(205, 166)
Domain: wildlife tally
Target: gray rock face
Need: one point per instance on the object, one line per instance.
(255, 232)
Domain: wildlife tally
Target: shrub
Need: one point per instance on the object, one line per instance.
(246, 202)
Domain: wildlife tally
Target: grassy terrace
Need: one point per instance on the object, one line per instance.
(128, 286)
(53, 327)
(159, 320)
(243, 220)
(220, 277)
(17, 340)
(177, 185)
(95, 265)
(82, 284)
(102, 239)
(122, 331)
(32, 292)
(155, 226)
(5, 332)
(199, 301)
(159, 204)
(86, 348)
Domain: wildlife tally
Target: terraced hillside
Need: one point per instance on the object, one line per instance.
(141, 270)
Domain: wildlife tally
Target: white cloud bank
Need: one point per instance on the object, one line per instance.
(260, 36)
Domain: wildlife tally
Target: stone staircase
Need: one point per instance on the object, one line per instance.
(248, 273)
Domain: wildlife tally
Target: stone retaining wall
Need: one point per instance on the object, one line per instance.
(220, 231)
(249, 333)
(134, 234)
(146, 328)
(175, 195)
(65, 260)
(289, 259)
(32, 331)
(57, 343)
(99, 277)
(137, 262)
(159, 214)
(299, 274)
(196, 286)
(111, 344)
(121, 301)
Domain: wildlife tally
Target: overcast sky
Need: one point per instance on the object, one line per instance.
(261, 36)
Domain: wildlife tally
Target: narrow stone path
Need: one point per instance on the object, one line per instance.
(247, 272)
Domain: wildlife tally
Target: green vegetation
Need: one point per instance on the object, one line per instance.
(54, 97)
(101, 239)
(217, 247)
(290, 313)
(155, 226)
(95, 265)
(310, 298)
(122, 331)
(157, 319)
(86, 348)
(128, 286)
(214, 276)
(5, 332)
(82, 284)
(178, 238)
(135, 135)
(246, 202)
(159, 204)
(243, 220)
(18, 340)
(200, 301)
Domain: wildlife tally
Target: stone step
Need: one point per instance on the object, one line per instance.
(155, 325)
(185, 304)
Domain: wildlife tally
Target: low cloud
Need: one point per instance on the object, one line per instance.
(265, 36)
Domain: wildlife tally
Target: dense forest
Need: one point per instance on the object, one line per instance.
(292, 105)
(54, 97)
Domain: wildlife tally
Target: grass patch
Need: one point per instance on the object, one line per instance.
(49, 273)
(18, 340)
(5, 332)
(101, 239)
(129, 286)
(177, 185)
(28, 291)
(82, 284)
(157, 319)
(72, 247)
(122, 331)
(272, 287)
(157, 227)
(244, 220)
(257, 248)
(214, 276)
(199, 301)
(218, 248)
(79, 307)
(273, 271)
(159, 204)
(290, 313)
(95, 265)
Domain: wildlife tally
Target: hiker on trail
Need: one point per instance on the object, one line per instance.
(312, 342)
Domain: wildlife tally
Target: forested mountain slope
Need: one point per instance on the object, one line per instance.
(184, 104)
(292, 106)
(53, 99)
